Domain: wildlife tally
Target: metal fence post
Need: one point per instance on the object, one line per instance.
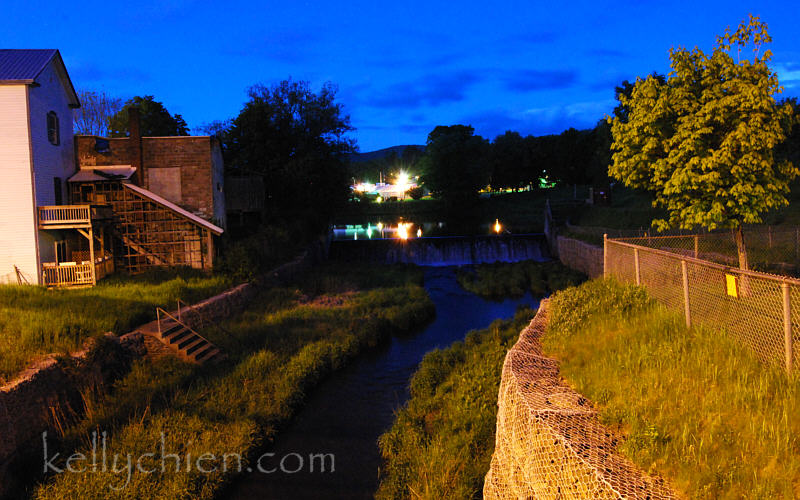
(787, 326)
(685, 273)
(605, 255)
(636, 263)
(696, 245)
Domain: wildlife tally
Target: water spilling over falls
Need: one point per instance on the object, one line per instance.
(444, 251)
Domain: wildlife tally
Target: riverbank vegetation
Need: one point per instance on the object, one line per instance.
(284, 344)
(35, 321)
(441, 442)
(499, 280)
(693, 406)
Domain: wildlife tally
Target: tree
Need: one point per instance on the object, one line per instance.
(454, 164)
(703, 141)
(297, 140)
(508, 161)
(156, 121)
(94, 115)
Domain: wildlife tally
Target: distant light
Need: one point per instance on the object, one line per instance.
(380, 226)
(402, 179)
(497, 226)
(402, 230)
(419, 233)
(378, 199)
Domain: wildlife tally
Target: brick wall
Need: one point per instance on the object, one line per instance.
(191, 155)
(581, 256)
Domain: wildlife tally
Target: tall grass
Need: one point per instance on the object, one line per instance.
(35, 321)
(692, 405)
(441, 443)
(500, 280)
(278, 350)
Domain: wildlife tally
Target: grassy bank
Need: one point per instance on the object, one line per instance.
(441, 443)
(35, 321)
(693, 406)
(277, 350)
(501, 280)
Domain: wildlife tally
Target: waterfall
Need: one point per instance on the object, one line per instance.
(445, 251)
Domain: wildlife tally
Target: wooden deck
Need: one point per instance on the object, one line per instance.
(76, 274)
(72, 216)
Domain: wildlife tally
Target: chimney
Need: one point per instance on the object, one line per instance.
(134, 127)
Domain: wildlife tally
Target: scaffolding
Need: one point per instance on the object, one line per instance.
(149, 231)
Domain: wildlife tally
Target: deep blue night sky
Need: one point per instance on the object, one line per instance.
(402, 68)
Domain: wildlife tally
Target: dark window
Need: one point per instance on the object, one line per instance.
(57, 188)
(61, 251)
(52, 128)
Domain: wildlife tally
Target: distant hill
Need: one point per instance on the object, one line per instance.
(381, 153)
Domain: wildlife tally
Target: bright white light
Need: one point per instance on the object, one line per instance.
(402, 230)
(497, 226)
(419, 233)
(402, 179)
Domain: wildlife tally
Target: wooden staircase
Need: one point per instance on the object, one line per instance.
(184, 341)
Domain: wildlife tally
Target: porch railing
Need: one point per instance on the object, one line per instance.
(60, 215)
(64, 214)
(76, 274)
(62, 275)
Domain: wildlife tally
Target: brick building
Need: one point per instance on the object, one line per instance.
(186, 170)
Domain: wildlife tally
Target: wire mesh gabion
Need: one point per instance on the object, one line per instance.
(549, 441)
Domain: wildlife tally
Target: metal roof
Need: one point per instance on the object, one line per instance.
(103, 173)
(175, 208)
(23, 66)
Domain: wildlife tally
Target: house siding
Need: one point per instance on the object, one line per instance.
(50, 161)
(17, 214)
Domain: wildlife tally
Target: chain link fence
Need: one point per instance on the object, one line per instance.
(698, 275)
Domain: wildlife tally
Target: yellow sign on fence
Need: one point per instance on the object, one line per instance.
(732, 284)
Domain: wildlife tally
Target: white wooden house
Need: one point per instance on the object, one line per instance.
(36, 157)
(116, 218)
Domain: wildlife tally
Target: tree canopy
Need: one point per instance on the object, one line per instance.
(703, 140)
(454, 165)
(94, 115)
(156, 121)
(297, 140)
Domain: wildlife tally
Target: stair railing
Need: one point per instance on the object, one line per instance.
(160, 312)
(205, 319)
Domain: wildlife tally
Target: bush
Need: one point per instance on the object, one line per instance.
(416, 193)
(515, 279)
(247, 258)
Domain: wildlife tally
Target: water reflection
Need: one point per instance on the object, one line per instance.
(386, 230)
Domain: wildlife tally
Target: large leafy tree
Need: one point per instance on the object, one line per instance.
(94, 115)
(703, 141)
(297, 139)
(509, 161)
(156, 121)
(454, 164)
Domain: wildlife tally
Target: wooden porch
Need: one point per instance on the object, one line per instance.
(73, 216)
(76, 274)
(78, 267)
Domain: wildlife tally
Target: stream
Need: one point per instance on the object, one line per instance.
(346, 413)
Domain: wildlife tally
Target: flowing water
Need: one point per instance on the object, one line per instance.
(345, 414)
